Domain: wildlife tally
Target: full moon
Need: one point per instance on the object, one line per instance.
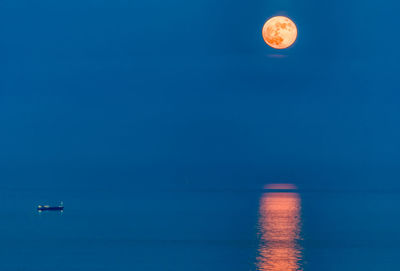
(279, 32)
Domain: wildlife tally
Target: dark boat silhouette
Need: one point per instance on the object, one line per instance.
(41, 208)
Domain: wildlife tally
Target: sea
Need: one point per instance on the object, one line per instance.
(275, 227)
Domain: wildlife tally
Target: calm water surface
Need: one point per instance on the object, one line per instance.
(221, 229)
(280, 231)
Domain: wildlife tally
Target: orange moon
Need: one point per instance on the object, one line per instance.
(279, 32)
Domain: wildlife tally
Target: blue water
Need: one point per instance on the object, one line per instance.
(198, 230)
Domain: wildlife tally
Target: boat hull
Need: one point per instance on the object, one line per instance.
(55, 208)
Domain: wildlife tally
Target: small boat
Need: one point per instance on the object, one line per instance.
(41, 208)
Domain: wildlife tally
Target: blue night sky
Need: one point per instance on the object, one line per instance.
(186, 93)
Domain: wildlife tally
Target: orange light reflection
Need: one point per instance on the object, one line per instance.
(279, 230)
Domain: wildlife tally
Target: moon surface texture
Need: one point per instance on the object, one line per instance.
(279, 32)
